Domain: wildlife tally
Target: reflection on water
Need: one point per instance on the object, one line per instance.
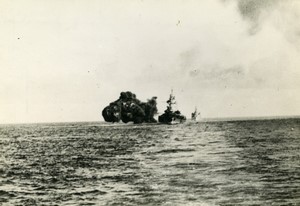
(212, 163)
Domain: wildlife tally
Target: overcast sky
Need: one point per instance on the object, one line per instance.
(65, 60)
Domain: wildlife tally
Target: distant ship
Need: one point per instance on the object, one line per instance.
(195, 114)
(170, 116)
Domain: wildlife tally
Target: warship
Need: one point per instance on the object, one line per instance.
(195, 114)
(170, 116)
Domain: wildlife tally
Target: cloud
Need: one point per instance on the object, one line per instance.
(283, 15)
(252, 9)
(189, 57)
(216, 73)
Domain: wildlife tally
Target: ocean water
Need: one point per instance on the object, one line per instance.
(204, 163)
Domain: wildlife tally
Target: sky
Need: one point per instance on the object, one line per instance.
(65, 60)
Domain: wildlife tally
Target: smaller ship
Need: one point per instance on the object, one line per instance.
(195, 114)
(170, 116)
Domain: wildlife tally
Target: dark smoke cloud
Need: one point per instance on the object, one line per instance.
(130, 109)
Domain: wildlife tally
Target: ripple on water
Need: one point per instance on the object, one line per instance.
(216, 163)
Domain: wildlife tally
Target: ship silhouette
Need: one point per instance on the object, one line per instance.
(170, 116)
(195, 114)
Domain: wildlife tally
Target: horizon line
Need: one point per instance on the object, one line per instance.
(206, 119)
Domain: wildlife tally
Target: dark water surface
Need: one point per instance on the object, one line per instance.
(206, 163)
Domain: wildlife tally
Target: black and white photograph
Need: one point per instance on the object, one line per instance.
(147, 102)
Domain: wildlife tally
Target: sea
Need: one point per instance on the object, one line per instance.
(245, 162)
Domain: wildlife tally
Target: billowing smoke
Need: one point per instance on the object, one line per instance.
(130, 109)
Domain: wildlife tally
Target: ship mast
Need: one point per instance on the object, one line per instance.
(195, 114)
(171, 101)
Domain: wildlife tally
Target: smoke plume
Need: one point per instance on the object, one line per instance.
(130, 109)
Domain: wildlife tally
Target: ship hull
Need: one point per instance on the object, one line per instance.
(171, 119)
